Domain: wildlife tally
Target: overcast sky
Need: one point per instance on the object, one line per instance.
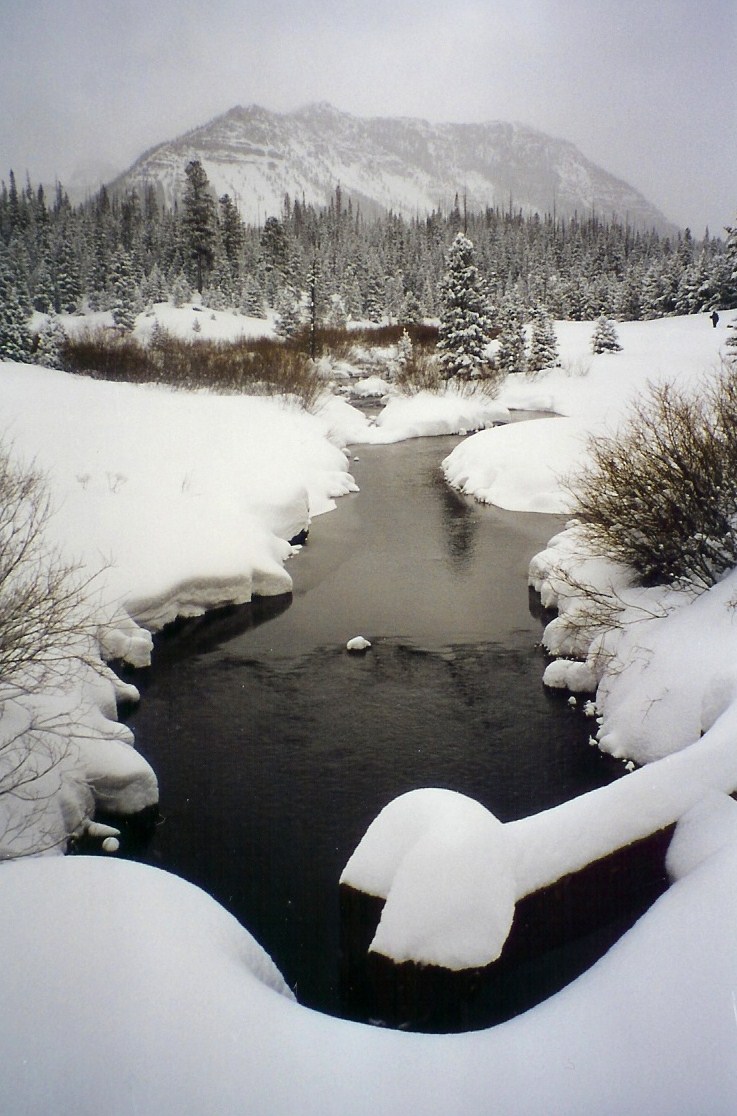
(645, 88)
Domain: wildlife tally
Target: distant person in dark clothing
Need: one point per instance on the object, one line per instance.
(714, 318)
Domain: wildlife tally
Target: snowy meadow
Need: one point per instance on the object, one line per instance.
(170, 503)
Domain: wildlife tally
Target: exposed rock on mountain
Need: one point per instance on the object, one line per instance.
(407, 165)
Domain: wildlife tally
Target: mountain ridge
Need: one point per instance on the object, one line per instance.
(404, 164)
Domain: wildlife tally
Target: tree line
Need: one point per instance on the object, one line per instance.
(330, 264)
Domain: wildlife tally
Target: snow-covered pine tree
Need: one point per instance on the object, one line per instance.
(181, 291)
(288, 313)
(604, 338)
(729, 292)
(404, 349)
(51, 340)
(393, 298)
(42, 287)
(252, 298)
(15, 338)
(336, 316)
(411, 310)
(67, 279)
(463, 336)
(124, 296)
(511, 356)
(351, 294)
(543, 342)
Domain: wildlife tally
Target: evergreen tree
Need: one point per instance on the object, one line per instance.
(252, 298)
(124, 296)
(404, 349)
(543, 343)
(288, 313)
(730, 281)
(351, 294)
(42, 287)
(199, 221)
(232, 232)
(52, 338)
(274, 261)
(411, 310)
(15, 338)
(511, 356)
(463, 336)
(604, 339)
(68, 288)
(181, 291)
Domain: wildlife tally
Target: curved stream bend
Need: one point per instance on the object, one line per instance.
(275, 748)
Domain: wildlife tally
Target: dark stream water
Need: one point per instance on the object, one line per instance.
(275, 748)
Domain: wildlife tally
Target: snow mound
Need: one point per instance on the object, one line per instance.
(519, 466)
(441, 862)
(429, 414)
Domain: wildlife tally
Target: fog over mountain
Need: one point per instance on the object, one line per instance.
(407, 165)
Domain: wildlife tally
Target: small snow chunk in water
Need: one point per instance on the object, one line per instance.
(590, 708)
(110, 845)
(572, 701)
(358, 643)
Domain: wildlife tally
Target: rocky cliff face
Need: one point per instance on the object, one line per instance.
(406, 165)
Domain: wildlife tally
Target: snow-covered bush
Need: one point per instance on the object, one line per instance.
(660, 495)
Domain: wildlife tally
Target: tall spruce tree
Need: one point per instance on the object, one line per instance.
(199, 221)
(464, 320)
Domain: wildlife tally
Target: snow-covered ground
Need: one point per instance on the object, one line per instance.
(126, 989)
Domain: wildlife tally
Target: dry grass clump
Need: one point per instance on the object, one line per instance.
(251, 367)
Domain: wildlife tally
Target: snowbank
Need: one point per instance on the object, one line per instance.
(434, 413)
(659, 660)
(213, 325)
(129, 990)
(520, 467)
(172, 502)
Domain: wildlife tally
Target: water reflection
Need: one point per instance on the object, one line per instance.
(460, 524)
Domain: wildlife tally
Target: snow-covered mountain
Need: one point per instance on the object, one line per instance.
(407, 165)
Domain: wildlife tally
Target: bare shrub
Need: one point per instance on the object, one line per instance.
(253, 367)
(420, 373)
(41, 595)
(661, 495)
(44, 633)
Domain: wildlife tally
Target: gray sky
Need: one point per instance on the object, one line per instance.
(645, 88)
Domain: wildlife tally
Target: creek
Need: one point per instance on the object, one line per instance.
(275, 748)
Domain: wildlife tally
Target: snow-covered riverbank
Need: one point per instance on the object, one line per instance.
(185, 501)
